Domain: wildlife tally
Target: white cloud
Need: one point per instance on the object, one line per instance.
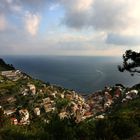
(84, 4)
(103, 27)
(107, 15)
(114, 17)
(32, 22)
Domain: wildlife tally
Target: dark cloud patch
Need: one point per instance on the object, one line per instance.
(36, 5)
(75, 19)
(123, 40)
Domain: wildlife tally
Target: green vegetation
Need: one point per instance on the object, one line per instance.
(131, 62)
(61, 103)
(7, 84)
(117, 126)
(121, 121)
(4, 66)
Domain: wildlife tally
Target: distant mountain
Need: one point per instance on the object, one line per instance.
(4, 66)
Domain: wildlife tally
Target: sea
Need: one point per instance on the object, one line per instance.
(84, 74)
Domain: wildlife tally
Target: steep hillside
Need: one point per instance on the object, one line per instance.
(33, 109)
(4, 66)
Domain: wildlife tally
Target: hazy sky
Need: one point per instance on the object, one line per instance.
(69, 27)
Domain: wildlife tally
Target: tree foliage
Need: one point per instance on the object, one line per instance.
(131, 62)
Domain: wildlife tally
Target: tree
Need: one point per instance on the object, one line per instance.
(131, 62)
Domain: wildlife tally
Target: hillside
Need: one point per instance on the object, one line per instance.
(4, 66)
(33, 109)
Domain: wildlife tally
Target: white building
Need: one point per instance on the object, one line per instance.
(32, 88)
(37, 111)
(24, 116)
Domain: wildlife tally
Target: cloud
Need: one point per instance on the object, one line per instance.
(10, 6)
(105, 15)
(23, 14)
(118, 19)
(90, 27)
(3, 23)
(76, 13)
(37, 5)
(32, 22)
(76, 5)
(83, 5)
(72, 21)
(108, 15)
(117, 39)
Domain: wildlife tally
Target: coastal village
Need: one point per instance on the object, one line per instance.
(34, 98)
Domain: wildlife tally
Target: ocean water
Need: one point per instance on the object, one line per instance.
(84, 74)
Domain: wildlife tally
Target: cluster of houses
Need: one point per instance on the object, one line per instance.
(48, 104)
(23, 116)
(29, 89)
(77, 108)
(132, 94)
(101, 101)
(13, 75)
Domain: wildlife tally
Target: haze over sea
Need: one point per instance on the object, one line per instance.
(84, 74)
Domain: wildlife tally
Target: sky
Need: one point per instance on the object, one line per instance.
(69, 27)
